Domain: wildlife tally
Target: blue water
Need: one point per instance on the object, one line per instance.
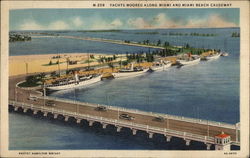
(57, 45)
(63, 45)
(208, 90)
(49, 134)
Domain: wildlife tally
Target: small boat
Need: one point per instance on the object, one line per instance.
(160, 66)
(213, 56)
(74, 83)
(194, 59)
(133, 71)
(224, 54)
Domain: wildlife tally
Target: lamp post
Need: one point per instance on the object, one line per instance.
(44, 94)
(15, 94)
(26, 65)
(207, 129)
(118, 113)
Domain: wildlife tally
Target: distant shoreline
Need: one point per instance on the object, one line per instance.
(130, 29)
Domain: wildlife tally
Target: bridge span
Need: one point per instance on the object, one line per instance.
(189, 129)
(119, 42)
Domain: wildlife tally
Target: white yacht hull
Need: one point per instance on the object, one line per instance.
(75, 85)
(224, 54)
(213, 57)
(192, 62)
(128, 74)
(161, 68)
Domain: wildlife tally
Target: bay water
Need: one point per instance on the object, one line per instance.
(208, 90)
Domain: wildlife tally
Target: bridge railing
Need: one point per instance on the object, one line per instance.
(147, 128)
(167, 116)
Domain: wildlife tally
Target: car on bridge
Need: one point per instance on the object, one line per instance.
(126, 117)
(159, 119)
(50, 103)
(101, 108)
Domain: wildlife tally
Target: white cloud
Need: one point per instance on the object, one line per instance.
(77, 21)
(163, 21)
(31, 25)
(138, 23)
(101, 24)
(58, 25)
(116, 23)
(218, 21)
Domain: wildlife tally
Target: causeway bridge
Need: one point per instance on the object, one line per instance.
(189, 129)
(119, 42)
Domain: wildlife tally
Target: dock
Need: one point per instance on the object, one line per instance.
(189, 129)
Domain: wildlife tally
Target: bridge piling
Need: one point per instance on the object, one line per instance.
(25, 110)
(66, 118)
(118, 128)
(134, 131)
(78, 121)
(104, 125)
(208, 146)
(91, 123)
(150, 135)
(168, 138)
(45, 114)
(35, 112)
(55, 116)
(16, 108)
(187, 142)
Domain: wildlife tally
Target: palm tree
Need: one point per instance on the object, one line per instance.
(111, 65)
(158, 42)
(67, 61)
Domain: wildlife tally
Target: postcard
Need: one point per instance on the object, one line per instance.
(125, 79)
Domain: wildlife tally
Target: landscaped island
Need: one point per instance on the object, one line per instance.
(14, 37)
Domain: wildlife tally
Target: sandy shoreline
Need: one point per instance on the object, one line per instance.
(40, 63)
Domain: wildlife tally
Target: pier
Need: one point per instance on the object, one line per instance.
(189, 129)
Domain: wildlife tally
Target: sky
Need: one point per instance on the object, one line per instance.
(103, 19)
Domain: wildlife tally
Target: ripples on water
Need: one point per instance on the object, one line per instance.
(199, 91)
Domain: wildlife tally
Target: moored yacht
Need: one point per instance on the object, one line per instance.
(224, 54)
(213, 56)
(160, 66)
(133, 71)
(74, 83)
(190, 60)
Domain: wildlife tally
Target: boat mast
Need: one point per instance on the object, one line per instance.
(67, 60)
(88, 61)
(121, 62)
(58, 63)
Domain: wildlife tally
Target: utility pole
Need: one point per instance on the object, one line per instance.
(207, 129)
(59, 67)
(26, 64)
(44, 93)
(15, 94)
(118, 114)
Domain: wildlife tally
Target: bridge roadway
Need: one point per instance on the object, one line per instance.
(120, 42)
(181, 124)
